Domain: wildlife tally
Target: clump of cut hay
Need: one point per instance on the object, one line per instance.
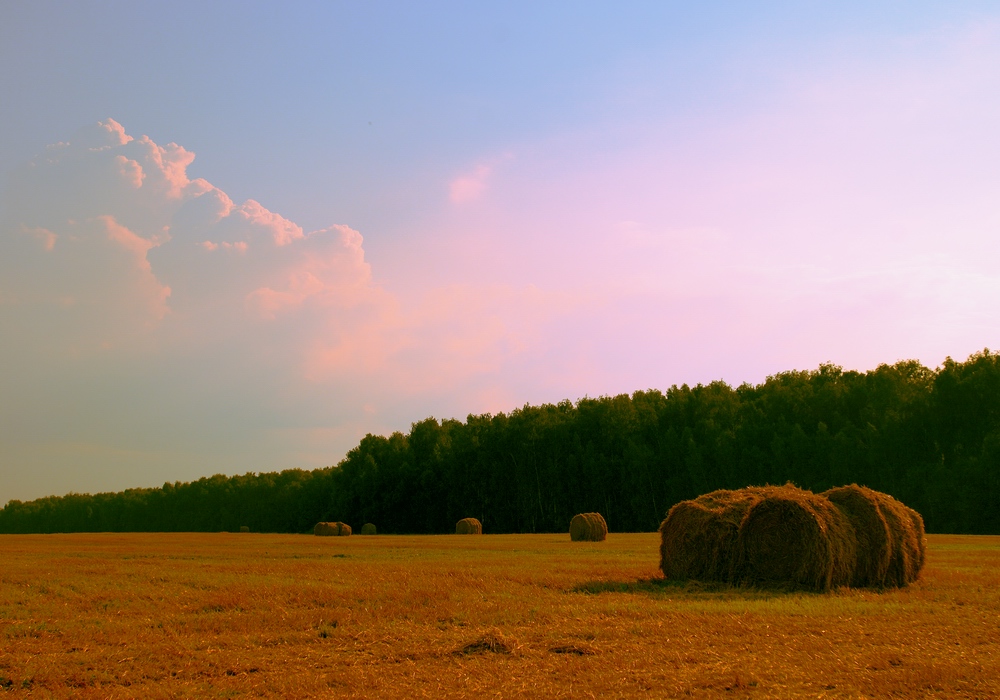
(861, 506)
(575, 649)
(368, 529)
(588, 527)
(698, 538)
(793, 538)
(244, 528)
(906, 528)
(468, 526)
(337, 529)
(491, 642)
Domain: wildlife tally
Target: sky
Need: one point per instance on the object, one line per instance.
(239, 236)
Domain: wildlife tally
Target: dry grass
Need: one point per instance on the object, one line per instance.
(275, 616)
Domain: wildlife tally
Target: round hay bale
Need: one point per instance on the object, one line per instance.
(468, 526)
(698, 538)
(588, 527)
(368, 529)
(795, 539)
(244, 528)
(906, 529)
(861, 506)
(325, 529)
(921, 536)
(343, 529)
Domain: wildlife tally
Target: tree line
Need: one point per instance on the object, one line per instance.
(931, 438)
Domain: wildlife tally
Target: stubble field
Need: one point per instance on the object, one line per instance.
(250, 615)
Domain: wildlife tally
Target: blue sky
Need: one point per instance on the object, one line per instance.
(516, 203)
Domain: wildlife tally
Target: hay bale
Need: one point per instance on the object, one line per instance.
(793, 538)
(468, 526)
(325, 529)
(244, 528)
(698, 538)
(588, 527)
(368, 529)
(875, 542)
(906, 527)
(921, 536)
(337, 529)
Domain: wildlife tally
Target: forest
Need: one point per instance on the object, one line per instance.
(929, 437)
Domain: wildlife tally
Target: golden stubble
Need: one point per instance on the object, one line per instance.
(250, 615)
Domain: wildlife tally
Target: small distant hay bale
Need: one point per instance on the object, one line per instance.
(368, 529)
(588, 527)
(337, 529)
(793, 538)
(244, 528)
(468, 526)
(875, 540)
(698, 538)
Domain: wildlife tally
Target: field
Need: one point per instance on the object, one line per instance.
(251, 615)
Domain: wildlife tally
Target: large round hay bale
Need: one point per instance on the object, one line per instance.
(368, 529)
(861, 506)
(698, 538)
(588, 527)
(244, 528)
(468, 526)
(906, 528)
(343, 529)
(795, 539)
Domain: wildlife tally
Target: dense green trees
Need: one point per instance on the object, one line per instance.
(929, 437)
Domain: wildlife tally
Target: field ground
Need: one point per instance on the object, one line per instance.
(250, 615)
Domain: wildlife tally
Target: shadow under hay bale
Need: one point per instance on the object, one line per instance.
(368, 529)
(588, 527)
(468, 526)
(793, 538)
(337, 529)
(861, 506)
(698, 538)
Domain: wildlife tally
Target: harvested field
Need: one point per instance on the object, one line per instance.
(273, 616)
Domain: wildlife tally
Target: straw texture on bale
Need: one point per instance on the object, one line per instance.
(588, 527)
(794, 538)
(368, 529)
(468, 526)
(786, 537)
(906, 527)
(337, 529)
(861, 506)
(698, 538)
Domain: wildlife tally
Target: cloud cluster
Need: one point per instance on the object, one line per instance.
(148, 319)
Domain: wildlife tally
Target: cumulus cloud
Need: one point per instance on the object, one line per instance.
(148, 315)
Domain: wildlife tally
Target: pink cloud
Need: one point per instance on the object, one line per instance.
(469, 187)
